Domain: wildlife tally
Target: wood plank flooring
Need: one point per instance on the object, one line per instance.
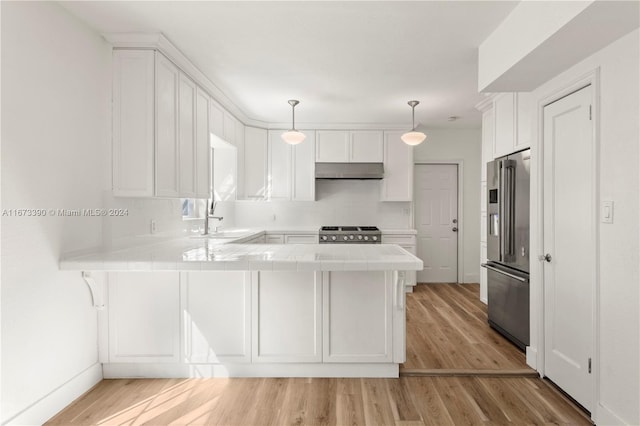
(447, 332)
(294, 401)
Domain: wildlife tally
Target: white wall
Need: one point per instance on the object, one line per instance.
(338, 202)
(619, 250)
(465, 145)
(55, 117)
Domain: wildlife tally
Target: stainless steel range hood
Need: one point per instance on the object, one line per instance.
(349, 171)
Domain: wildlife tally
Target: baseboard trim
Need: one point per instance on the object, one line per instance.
(471, 278)
(436, 372)
(52, 403)
(532, 357)
(206, 371)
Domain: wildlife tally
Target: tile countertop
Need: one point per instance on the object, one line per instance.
(194, 254)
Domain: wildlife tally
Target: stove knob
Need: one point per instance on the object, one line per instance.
(374, 238)
(345, 238)
(351, 237)
(366, 238)
(359, 237)
(333, 238)
(324, 238)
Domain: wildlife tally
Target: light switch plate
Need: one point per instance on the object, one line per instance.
(606, 212)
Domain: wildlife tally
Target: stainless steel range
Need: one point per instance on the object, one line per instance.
(349, 235)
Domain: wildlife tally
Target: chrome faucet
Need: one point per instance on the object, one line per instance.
(211, 208)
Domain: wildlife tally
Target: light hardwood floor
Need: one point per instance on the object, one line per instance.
(403, 401)
(447, 331)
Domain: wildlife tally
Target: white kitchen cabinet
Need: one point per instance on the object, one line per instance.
(301, 239)
(229, 128)
(144, 317)
(255, 164)
(332, 146)
(504, 110)
(366, 146)
(343, 146)
(487, 142)
(187, 136)
(158, 131)
(357, 317)
(303, 167)
(407, 242)
(287, 318)
(525, 113)
(397, 184)
(133, 122)
(167, 178)
(280, 167)
(203, 147)
(217, 317)
(216, 120)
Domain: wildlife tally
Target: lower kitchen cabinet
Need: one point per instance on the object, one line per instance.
(407, 242)
(357, 317)
(287, 316)
(216, 316)
(144, 317)
(301, 239)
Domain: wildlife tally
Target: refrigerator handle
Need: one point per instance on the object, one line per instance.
(508, 210)
(500, 271)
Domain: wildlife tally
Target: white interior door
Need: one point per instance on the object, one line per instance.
(570, 240)
(436, 187)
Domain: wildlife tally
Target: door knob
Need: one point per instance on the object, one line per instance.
(454, 229)
(455, 220)
(546, 258)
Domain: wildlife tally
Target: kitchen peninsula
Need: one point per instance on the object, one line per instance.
(234, 306)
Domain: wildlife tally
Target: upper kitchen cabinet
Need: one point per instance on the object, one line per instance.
(254, 161)
(513, 117)
(291, 168)
(342, 146)
(133, 122)
(397, 184)
(216, 120)
(159, 130)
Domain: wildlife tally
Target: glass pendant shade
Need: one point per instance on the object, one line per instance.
(413, 138)
(293, 137)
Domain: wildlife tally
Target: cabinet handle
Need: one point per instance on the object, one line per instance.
(400, 279)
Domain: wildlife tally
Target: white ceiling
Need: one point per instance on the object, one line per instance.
(347, 62)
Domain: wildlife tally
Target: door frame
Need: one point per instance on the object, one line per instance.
(535, 354)
(460, 238)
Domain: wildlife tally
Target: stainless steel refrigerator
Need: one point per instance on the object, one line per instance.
(508, 246)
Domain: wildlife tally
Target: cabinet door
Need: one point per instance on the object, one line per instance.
(202, 145)
(187, 136)
(366, 146)
(216, 120)
(504, 117)
(279, 176)
(217, 316)
(487, 143)
(239, 135)
(287, 316)
(304, 169)
(255, 163)
(332, 146)
(133, 109)
(525, 111)
(357, 318)
(167, 157)
(144, 317)
(229, 128)
(397, 184)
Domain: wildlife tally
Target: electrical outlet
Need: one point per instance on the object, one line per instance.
(153, 226)
(606, 212)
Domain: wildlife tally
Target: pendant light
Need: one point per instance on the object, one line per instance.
(293, 137)
(413, 137)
